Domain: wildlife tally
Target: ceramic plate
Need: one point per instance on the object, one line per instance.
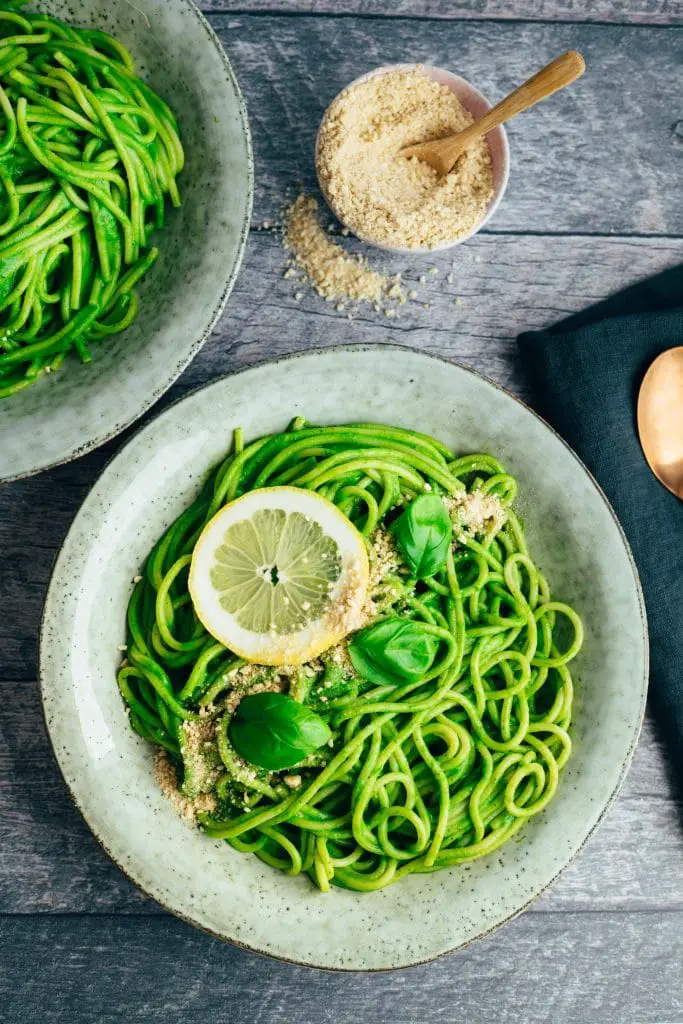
(575, 539)
(201, 247)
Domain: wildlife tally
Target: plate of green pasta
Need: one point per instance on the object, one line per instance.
(345, 674)
(125, 201)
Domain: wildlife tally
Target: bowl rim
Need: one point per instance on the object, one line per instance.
(623, 768)
(429, 70)
(175, 371)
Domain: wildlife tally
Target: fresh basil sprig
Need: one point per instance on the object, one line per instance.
(273, 731)
(423, 533)
(394, 651)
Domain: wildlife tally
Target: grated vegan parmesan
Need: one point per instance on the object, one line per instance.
(386, 198)
(475, 512)
(334, 273)
(167, 779)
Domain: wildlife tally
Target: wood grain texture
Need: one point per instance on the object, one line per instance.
(543, 968)
(601, 156)
(603, 159)
(644, 12)
(506, 284)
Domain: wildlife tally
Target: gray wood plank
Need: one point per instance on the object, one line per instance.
(601, 156)
(648, 12)
(602, 968)
(50, 863)
(506, 284)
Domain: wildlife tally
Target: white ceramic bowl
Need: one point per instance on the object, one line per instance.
(574, 537)
(477, 105)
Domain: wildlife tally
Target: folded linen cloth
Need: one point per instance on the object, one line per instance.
(586, 372)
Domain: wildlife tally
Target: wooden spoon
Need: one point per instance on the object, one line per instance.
(660, 418)
(443, 153)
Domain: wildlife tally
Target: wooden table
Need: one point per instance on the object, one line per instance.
(594, 203)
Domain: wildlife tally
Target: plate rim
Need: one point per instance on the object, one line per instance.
(623, 768)
(172, 376)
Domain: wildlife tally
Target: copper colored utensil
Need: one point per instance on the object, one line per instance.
(660, 418)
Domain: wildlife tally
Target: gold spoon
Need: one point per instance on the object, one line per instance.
(660, 419)
(443, 153)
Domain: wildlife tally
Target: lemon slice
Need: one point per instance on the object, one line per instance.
(279, 575)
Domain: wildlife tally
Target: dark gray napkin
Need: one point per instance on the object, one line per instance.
(586, 372)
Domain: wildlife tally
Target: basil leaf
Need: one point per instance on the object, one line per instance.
(273, 731)
(394, 651)
(423, 533)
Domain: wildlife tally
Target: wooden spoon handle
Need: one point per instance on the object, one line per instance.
(443, 153)
(560, 72)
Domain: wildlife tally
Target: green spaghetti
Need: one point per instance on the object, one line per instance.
(88, 154)
(424, 740)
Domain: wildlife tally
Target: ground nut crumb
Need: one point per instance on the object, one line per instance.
(339, 656)
(331, 271)
(245, 682)
(197, 734)
(389, 199)
(167, 778)
(346, 611)
(475, 512)
(384, 557)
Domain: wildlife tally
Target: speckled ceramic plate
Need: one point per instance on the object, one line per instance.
(575, 539)
(175, 50)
